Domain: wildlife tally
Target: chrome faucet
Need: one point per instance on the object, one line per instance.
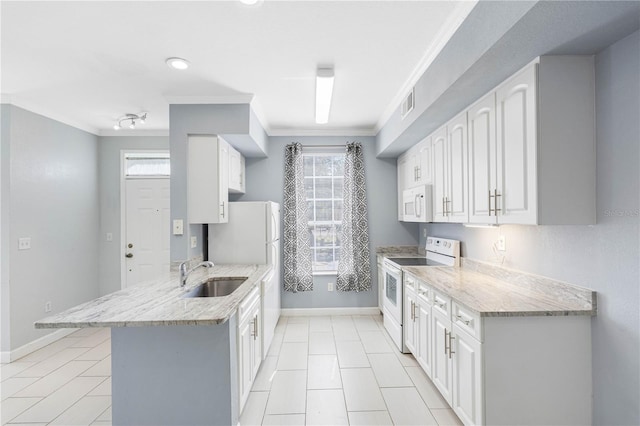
(184, 273)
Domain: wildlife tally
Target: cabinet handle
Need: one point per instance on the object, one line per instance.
(255, 327)
(222, 205)
(419, 172)
(467, 322)
(495, 202)
(490, 196)
(444, 208)
(450, 344)
(412, 311)
(447, 206)
(446, 333)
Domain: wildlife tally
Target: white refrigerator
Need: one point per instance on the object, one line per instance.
(252, 235)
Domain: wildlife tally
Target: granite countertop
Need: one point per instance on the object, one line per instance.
(400, 251)
(160, 302)
(498, 292)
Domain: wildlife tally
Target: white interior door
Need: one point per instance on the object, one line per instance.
(147, 229)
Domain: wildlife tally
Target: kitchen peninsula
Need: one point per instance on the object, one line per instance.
(174, 358)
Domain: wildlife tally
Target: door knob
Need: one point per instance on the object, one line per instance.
(129, 255)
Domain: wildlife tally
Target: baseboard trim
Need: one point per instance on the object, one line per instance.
(24, 350)
(373, 310)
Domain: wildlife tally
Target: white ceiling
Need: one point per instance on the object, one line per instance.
(86, 63)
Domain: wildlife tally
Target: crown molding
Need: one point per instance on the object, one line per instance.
(45, 112)
(322, 132)
(136, 132)
(447, 30)
(244, 98)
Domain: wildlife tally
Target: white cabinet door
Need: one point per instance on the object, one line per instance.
(380, 287)
(439, 144)
(245, 364)
(224, 181)
(441, 361)
(456, 203)
(425, 162)
(467, 375)
(516, 149)
(236, 172)
(256, 343)
(482, 159)
(207, 179)
(409, 324)
(423, 336)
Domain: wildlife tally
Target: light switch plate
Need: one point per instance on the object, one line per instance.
(194, 241)
(24, 243)
(178, 227)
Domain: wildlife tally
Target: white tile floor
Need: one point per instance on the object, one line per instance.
(339, 370)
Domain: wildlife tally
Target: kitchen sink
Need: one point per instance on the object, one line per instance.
(216, 287)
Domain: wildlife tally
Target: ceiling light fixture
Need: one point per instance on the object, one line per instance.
(177, 63)
(324, 92)
(132, 118)
(251, 2)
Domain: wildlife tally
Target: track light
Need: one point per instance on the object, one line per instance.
(141, 118)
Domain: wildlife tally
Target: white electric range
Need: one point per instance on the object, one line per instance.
(439, 252)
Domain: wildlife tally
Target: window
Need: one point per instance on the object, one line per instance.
(323, 180)
(147, 164)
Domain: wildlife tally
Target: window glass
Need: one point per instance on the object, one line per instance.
(323, 181)
(147, 164)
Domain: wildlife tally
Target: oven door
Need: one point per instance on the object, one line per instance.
(392, 304)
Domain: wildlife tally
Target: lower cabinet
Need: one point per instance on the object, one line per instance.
(380, 283)
(417, 322)
(249, 345)
(500, 369)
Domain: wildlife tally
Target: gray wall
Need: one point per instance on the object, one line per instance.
(603, 257)
(5, 306)
(53, 198)
(109, 151)
(265, 181)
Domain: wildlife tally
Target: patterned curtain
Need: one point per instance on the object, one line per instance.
(354, 271)
(297, 251)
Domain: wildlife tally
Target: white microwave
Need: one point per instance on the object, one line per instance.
(417, 204)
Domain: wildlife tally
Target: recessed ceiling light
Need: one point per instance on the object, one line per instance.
(177, 63)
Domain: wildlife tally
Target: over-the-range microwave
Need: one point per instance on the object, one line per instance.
(417, 205)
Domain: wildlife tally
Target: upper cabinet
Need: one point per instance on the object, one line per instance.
(415, 167)
(208, 179)
(537, 165)
(450, 188)
(236, 172)
(524, 153)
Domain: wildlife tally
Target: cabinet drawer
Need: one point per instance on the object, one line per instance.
(246, 305)
(425, 294)
(410, 281)
(442, 303)
(467, 320)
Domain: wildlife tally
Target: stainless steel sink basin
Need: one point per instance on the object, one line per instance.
(216, 287)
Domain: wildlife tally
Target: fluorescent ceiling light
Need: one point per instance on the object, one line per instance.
(324, 92)
(177, 63)
(251, 2)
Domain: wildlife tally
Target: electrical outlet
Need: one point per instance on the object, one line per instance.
(502, 243)
(109, 236)
(47, 307)
(24, 243)
(178, 227)
(194, 241)
(330, 286)
(424, 232)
